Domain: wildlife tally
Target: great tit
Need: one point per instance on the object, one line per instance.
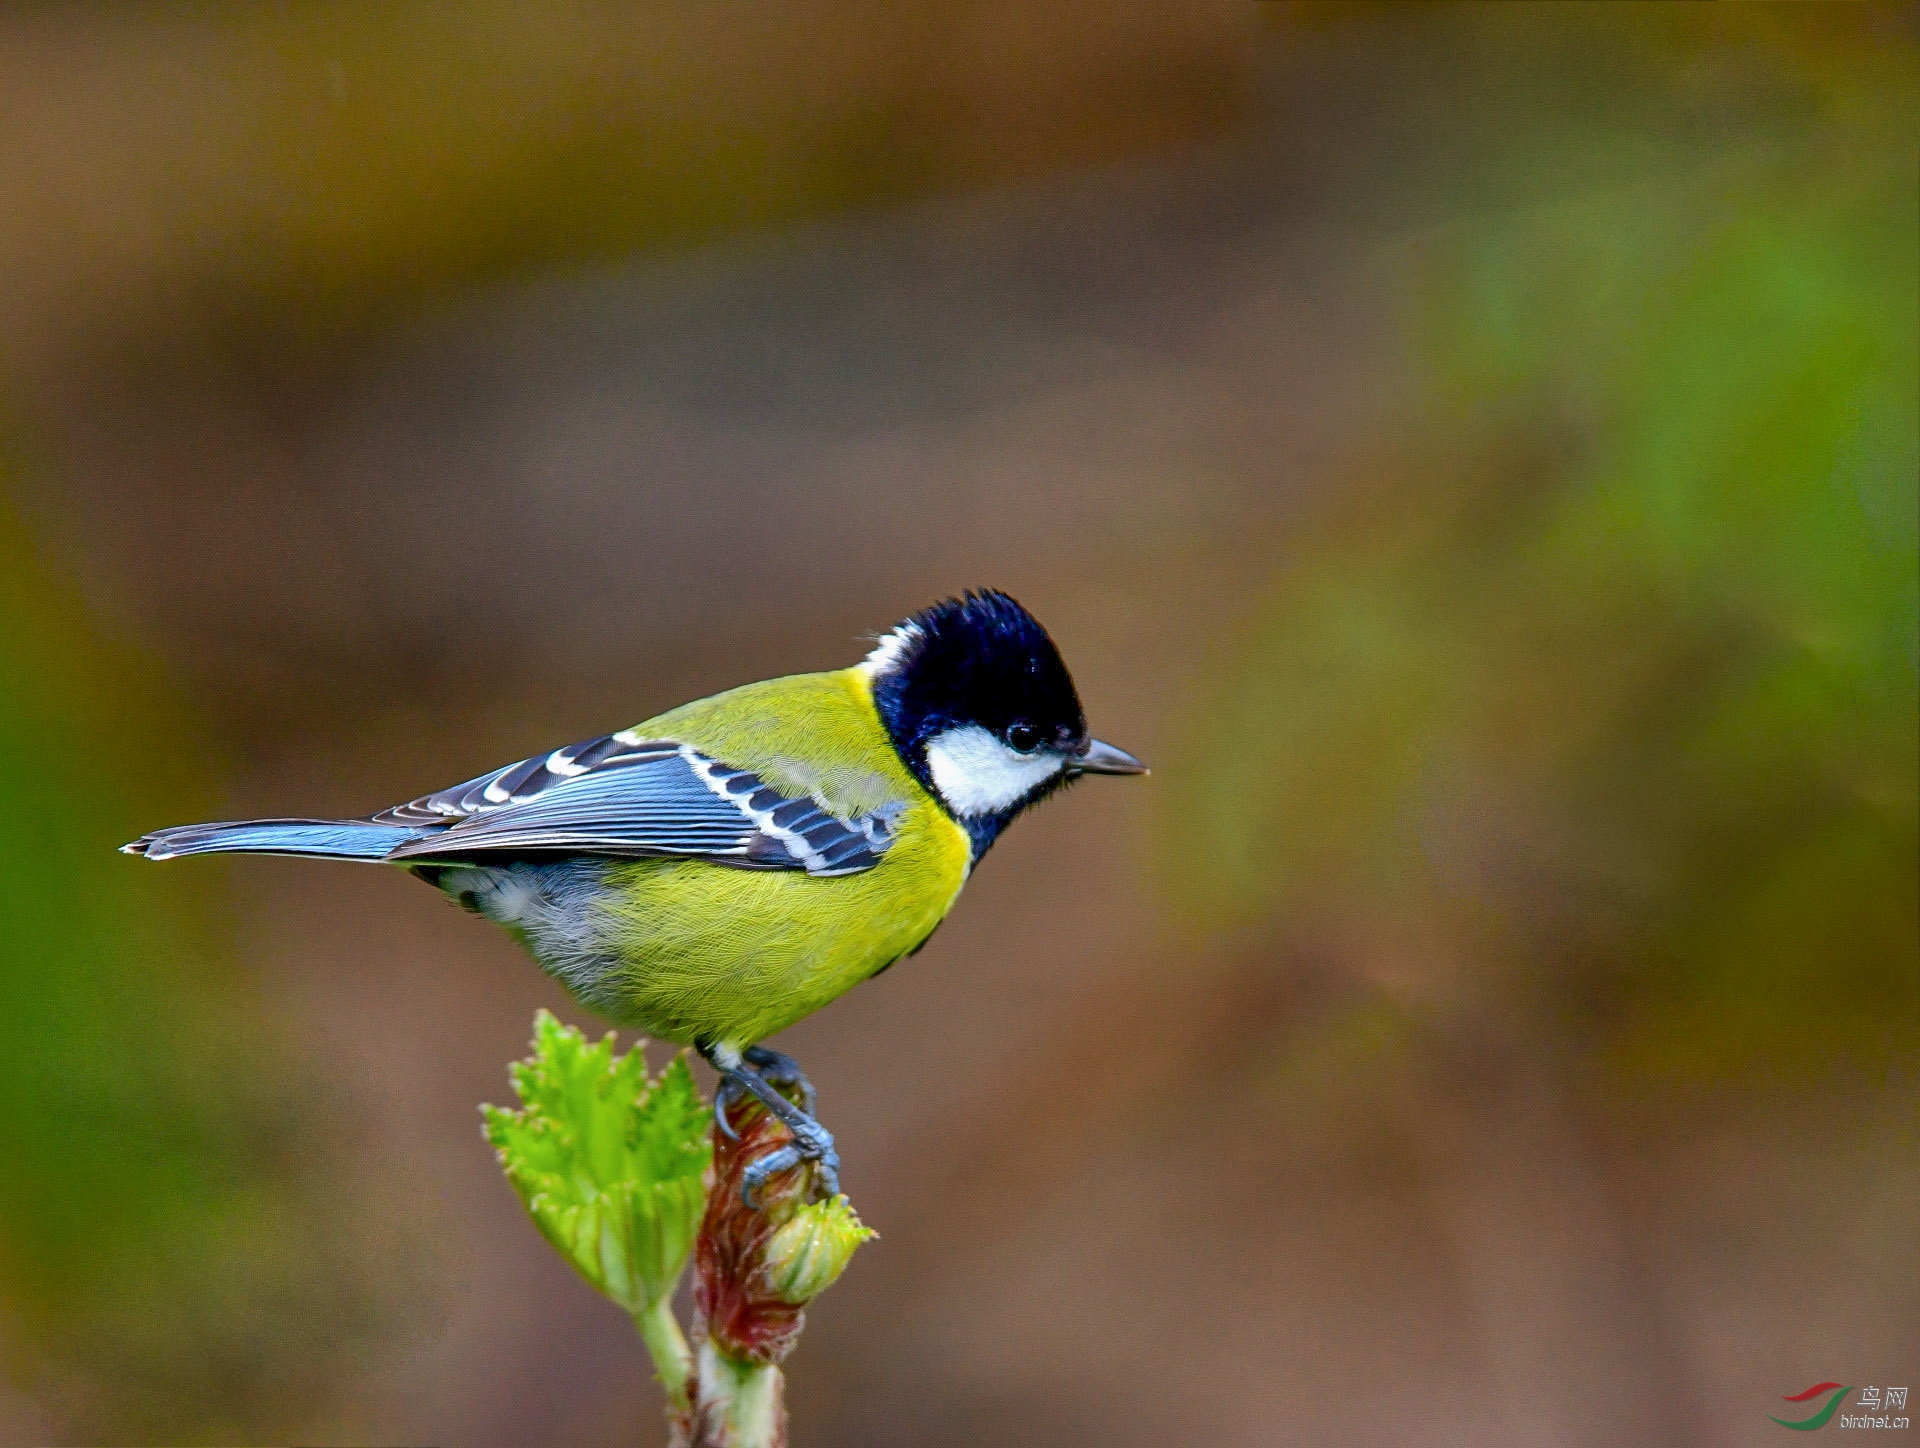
(714, 874)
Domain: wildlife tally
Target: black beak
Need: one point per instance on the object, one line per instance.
(1098, 758)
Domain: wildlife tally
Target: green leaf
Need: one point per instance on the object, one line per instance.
(609, 1163)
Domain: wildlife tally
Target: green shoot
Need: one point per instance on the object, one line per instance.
(610, 1165)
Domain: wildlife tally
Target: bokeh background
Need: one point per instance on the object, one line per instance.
(1471, 453)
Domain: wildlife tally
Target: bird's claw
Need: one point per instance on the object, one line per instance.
(777, 1068)
(826, 1169)
(758, 1072)
(724, 1096)
(826, 1175)
(757, 1172)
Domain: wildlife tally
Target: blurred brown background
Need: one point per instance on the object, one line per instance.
(1470, 452)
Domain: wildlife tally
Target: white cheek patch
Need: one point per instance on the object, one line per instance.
(978, 774)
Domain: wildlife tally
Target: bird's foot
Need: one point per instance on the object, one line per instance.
(758, 1072)
(776, 1068)
(811, 1142)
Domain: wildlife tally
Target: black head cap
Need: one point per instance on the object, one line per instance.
(978, 659)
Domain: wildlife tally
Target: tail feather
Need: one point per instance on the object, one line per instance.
(328, 839)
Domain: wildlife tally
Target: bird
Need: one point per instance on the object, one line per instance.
(715, 873)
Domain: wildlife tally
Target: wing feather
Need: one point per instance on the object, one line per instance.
(621, 795)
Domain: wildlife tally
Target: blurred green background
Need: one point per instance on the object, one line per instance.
(1472, 453)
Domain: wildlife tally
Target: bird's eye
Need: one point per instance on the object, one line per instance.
(1023, 737)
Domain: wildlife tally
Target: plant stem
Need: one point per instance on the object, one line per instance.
(742, 1404)
(667, 1346)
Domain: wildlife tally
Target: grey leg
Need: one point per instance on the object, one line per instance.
(811, 1141)
(774, 1067)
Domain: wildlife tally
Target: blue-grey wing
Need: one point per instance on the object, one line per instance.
(514, 783)
(622, 796)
